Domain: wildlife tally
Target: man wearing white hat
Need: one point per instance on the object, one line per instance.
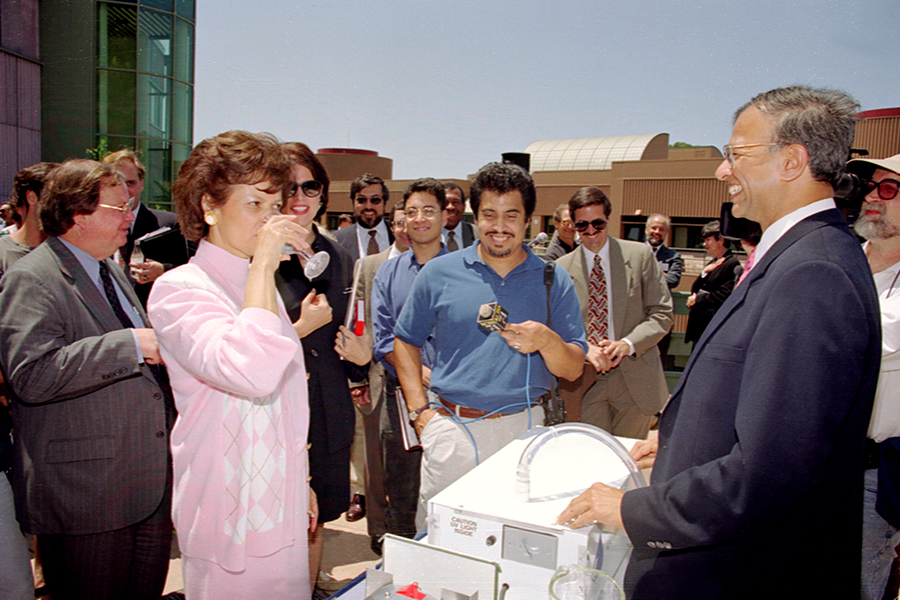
(879, 224)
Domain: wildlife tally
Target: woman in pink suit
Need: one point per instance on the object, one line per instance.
(242, 505)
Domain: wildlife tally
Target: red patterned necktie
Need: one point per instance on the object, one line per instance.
(598, 308)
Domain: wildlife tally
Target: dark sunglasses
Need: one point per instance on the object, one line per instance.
(310, 189)
(375, 201)
(598, 224)
(887, 188)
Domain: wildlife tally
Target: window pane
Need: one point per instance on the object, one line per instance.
(115, 102)
(155, 45)
(160, 4)
(182, 115)
(154, 107)
(184, 50)
(185, 9)
(157, 157)
(117, 36)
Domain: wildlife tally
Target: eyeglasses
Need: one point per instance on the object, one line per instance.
(127, 207)
(374, 200)
(598, 224)
(429, 212)
(310, 189)
(399, 223)
(887, 188)
(728, 150)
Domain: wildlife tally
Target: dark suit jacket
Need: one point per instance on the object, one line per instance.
(712, 291)
(347, 239)
(92, 424)
(757, 486)
(469, 234)
(642, 312)
(671, 264)
(329, 391)
(148, 220)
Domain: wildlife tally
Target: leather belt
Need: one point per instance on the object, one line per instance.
(464, 412)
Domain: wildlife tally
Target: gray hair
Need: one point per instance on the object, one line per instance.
(822, 120)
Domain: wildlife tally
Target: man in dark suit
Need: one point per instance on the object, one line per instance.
(370, 234)
(757, 481)
(92, 405)
(456, 233)
(670, 262)
(622, 385)
(369, 399)
(146, 220)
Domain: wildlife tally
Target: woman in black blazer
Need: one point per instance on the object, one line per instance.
(715, 283)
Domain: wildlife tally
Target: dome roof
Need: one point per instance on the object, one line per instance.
(588, 154)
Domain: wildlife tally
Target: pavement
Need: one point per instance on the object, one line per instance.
(346, 554)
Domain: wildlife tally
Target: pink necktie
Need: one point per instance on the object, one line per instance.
(747, 266)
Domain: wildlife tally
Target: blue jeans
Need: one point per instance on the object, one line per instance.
(879, 542)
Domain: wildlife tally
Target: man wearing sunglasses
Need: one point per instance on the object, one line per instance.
(757, 482)
(370, 234)
(622, 385)
(879, 224)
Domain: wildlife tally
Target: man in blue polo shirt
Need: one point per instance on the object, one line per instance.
(424, 202)
(490, 376)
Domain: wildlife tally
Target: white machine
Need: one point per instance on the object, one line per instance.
(492, 534)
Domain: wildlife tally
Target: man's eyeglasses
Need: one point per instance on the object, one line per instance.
(429, 212)
(728, 150)
(887, 188)
(127, 207)
(374, 200)
(310, 189)
(598, 224)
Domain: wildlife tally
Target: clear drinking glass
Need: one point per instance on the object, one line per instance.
(315, 263)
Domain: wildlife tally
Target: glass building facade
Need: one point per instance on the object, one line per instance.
(139, 85)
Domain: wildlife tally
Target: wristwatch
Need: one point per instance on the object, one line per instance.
(414, 414)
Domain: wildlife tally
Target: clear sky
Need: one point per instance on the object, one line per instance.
(443, 87)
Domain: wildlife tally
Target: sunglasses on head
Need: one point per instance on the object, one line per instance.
(598, 224)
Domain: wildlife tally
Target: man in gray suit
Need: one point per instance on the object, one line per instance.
(92, 405)
(623, 385)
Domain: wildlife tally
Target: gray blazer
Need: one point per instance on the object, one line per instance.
(92, 424)
(642, 312)
(368, 266)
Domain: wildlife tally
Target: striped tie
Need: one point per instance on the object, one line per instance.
(598, 309)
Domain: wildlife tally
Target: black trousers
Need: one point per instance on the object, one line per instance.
(126, 564)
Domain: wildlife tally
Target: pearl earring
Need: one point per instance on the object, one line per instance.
(210, 219)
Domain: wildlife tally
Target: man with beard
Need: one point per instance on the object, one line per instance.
(879, 223)
(370, 234)
(491, 379)
(756, 489)
(456, 233)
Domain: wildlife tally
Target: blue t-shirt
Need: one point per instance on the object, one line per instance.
(475, 367)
